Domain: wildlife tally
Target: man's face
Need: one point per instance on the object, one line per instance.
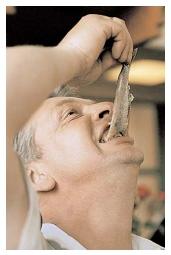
(70, 131)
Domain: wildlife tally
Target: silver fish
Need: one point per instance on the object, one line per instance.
(122, 102)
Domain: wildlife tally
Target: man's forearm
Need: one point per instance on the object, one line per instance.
(32, 73)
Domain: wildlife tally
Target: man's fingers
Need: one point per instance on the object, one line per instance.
(124, 56)
(107, 61)
(122, 41)
(130, 53)
(117, 49)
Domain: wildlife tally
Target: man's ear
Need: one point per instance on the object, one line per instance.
(41, 181)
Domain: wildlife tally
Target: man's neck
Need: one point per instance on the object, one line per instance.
(100, 221)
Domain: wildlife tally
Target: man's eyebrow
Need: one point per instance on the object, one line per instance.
(70, 100)
(93, 101)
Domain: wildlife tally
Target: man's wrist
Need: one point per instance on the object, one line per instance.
(71, 60)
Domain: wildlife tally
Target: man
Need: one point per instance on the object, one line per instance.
(84, 186)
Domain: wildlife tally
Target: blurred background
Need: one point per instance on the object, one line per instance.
(48, 25)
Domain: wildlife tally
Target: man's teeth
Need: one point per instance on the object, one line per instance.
(118, 135)
(103, 139)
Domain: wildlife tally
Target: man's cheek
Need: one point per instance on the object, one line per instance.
(81, 166)
(83, 160)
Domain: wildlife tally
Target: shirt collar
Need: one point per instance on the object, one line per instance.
(53, 233)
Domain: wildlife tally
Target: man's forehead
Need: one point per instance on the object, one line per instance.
(59, 101)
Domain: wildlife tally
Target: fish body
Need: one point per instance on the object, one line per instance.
(122, 102)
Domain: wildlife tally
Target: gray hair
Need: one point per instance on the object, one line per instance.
(24, 141)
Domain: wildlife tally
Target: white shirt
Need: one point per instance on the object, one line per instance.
(54, 234)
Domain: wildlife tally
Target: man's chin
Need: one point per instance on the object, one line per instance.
(131, 155)
(126, 154)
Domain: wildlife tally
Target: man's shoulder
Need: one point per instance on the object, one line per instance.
(141, 243)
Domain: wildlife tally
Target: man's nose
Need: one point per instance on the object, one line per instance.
(102, 110)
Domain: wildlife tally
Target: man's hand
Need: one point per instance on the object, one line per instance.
(86, 42)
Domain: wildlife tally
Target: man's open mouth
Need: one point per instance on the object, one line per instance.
(103, 138)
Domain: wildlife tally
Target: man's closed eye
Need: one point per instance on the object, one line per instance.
(72, 114)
